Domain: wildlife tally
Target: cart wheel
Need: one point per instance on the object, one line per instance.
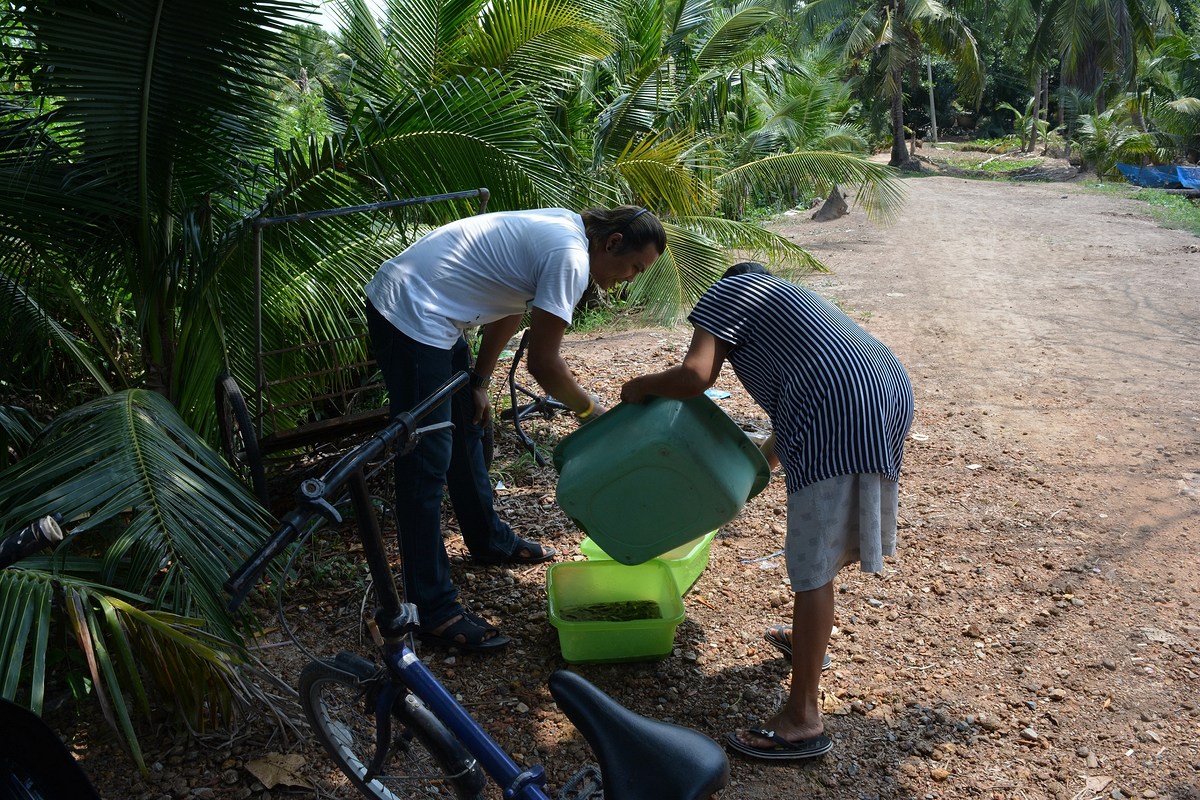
(238, 442)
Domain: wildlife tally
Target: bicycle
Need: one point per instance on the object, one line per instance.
(396, 732)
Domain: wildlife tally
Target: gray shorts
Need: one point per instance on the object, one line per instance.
(836, 522)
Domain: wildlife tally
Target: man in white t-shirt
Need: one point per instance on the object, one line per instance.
(485, 270)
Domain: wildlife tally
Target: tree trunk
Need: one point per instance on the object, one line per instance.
(1044, 112)
(899, 152)
(932, 108)
(1033, 118)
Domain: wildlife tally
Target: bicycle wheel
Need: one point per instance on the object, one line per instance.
(425, 760)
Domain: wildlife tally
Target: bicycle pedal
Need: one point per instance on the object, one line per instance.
(586, 784)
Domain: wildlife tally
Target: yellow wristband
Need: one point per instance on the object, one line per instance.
(587, 412)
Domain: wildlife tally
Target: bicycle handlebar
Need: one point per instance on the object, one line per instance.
(316, 496)
(35, 536)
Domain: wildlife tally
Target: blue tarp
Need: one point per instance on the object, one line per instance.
(1155, 176)
(1189, 177)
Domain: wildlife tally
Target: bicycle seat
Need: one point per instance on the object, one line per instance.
(640, 758)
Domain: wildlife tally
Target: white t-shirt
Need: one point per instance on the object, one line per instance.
(482, 268)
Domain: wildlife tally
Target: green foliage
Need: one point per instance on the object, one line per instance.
(18, 427)
(162, 523)
(999, 144)
(1169, 210)
(1104, 139)
(886, 41)
(594, 318)
(1026, 122)
(1008, 165)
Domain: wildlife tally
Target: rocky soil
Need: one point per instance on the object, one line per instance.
(1036, 634)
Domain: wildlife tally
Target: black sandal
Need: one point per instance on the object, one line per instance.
(468, 632)
(525, 552)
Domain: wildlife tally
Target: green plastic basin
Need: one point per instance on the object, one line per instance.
(570, 584)
(686, 562)
(644, 479)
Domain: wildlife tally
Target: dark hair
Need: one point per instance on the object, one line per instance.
(638, 227)
(746, 268)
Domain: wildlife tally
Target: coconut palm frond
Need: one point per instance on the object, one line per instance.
(27, 328)
(756, 243)
(879, 190)
(731, 34)
(132, 655)
(18, 428)
(129, 463)
(658, 173)
(670, 288)
(696, 256)
(543, 43)
(27, 597)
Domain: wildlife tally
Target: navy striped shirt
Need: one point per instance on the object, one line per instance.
(839, 400)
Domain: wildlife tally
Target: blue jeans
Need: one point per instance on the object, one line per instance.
(454, 459)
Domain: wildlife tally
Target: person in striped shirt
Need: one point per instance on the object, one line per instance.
(840, 404)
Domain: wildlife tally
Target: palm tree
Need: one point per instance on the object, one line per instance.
(1097, 38)
(889, 37)
(124, 175)
(1109, 137)
(1172, 93)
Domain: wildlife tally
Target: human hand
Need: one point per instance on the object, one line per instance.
(596, 411)
(631, 392)
(483, 405)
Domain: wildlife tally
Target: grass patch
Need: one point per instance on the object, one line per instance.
(588, 320)
(1005, 165)
(1168, 210)
(991, 146)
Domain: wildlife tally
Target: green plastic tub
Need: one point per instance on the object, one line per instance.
(644, 479)
(686, 562)
(571, 584)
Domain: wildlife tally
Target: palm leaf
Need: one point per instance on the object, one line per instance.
(183, 521)
(695, 257)
(24, 632)
(731, 33)
(18, 428)
(538, 42)
(879, 189)
(658, 172)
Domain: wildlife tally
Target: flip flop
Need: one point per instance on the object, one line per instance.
(783, 750)
(469, 632)
(525, 552)
(780, 637)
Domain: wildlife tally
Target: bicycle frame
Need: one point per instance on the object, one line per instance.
(393, 621)
(515, 782)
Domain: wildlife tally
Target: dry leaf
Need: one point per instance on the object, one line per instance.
(275, 769)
